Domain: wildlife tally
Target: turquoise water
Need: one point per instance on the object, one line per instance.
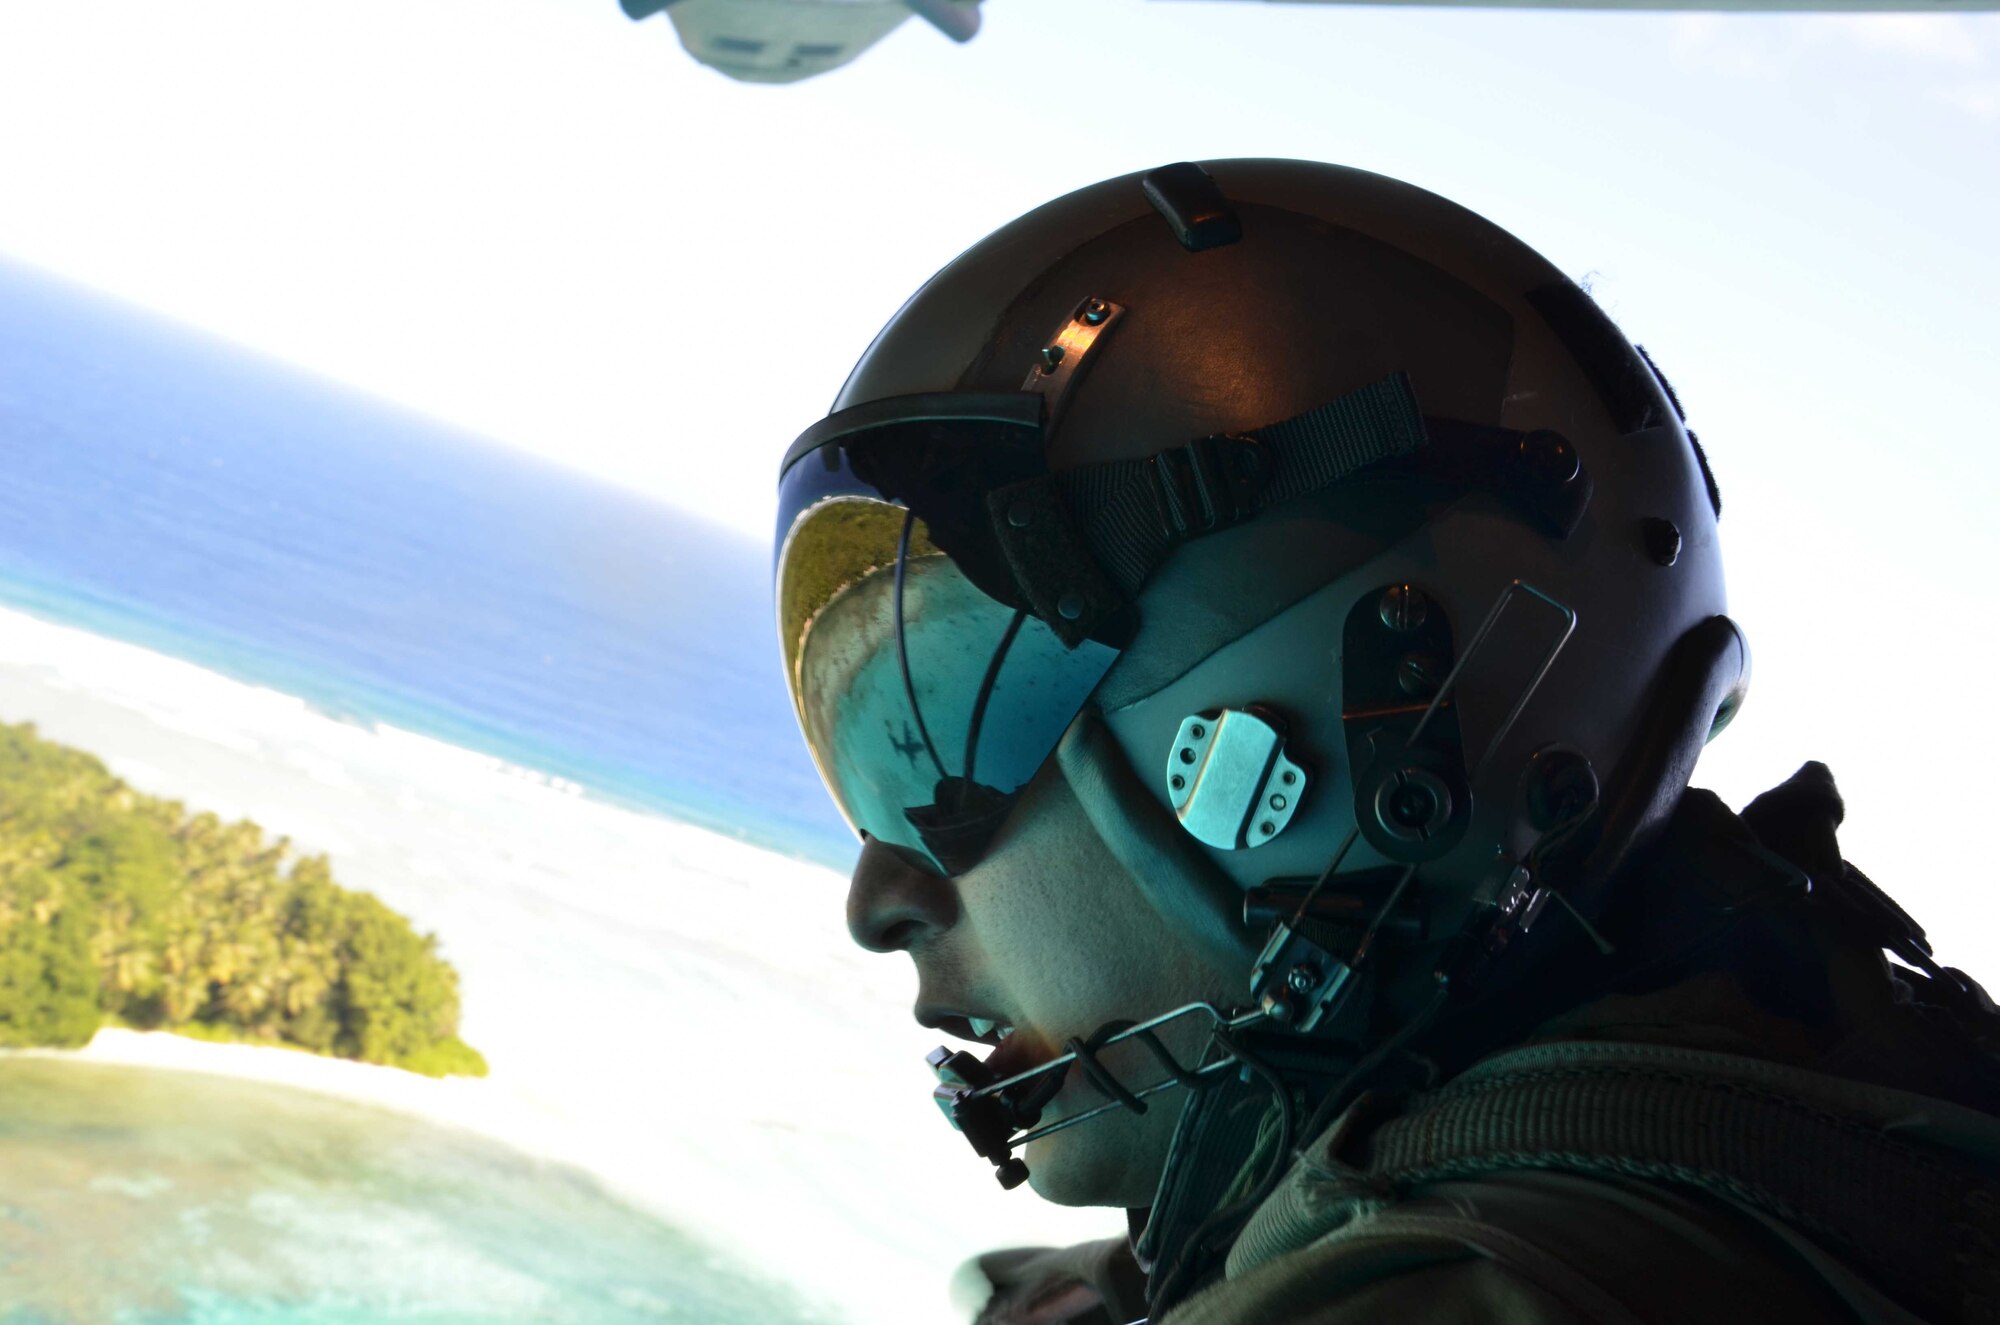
(136, 1196)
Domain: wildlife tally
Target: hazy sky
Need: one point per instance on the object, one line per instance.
(546, 223)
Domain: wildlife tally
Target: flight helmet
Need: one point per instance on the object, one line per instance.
(1360, 573)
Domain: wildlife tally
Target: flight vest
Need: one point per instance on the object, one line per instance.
(1868, 1133)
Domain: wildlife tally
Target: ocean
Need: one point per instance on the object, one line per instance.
(543, 718)
(167, 489)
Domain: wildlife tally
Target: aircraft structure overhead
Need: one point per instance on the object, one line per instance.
(784, 41)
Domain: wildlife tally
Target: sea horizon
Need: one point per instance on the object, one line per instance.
(178, 492)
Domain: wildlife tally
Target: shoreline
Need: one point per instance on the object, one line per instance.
(476, 1106)
(672, 1012)
(449, 1101)
(37, 611)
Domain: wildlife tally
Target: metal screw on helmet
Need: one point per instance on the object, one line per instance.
(1413, 804)
(1296, 982)
(1550, 455)
(1560, 786)
(1404, 607)
(1064, 355)
(1418, 675)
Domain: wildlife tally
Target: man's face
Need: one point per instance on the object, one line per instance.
(1050, 935)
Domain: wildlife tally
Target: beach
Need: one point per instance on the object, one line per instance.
(672, 1010)
(458, 1101)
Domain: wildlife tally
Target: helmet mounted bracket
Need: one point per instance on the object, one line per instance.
(1061, 362)
(1230, 781)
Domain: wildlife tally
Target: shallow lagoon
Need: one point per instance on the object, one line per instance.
(137, 1196)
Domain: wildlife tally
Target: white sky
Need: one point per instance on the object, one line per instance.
(547, 224)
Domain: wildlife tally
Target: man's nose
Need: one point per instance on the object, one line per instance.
(892, 905)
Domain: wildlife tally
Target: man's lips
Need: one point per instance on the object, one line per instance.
(1016, 1054)
(988, 1031)
(1014, 1050)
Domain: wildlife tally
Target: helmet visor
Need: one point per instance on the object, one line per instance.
(927, 692)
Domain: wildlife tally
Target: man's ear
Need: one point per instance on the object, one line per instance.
(1181, 883)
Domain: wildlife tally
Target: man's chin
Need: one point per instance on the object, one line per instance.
(1055, 1178)
(1101, 1163)
(1113, 1159)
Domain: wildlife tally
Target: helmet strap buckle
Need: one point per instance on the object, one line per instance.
(1208, 484)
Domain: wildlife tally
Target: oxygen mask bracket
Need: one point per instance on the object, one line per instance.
(1296, 986)
(999, 1117)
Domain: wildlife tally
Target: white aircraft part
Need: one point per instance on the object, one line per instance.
(782, 41)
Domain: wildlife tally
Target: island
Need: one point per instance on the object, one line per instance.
(122, 909)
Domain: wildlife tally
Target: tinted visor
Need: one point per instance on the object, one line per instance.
(927, 692)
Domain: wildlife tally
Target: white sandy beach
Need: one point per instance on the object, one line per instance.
(460, 1101)
(675, 1011)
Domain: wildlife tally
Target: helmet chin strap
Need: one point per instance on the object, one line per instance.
(1161, 859)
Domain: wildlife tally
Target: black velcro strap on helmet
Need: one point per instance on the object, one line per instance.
(1132, 513)
(1323, 446)
(1138, 511)
(1054, 568)
(1099, 532)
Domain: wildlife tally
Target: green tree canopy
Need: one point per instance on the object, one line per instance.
(125, 907)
